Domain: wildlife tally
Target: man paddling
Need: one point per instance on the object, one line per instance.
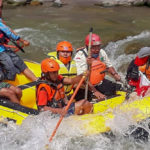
(99, 61)
(134, 77)
(51, 95)
(11, 63)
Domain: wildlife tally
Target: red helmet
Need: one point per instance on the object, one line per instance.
(64, 46)
(95, 40)
(49, 65)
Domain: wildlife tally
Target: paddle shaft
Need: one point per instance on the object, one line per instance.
(18, 46)
(89, 48)
(67, 107)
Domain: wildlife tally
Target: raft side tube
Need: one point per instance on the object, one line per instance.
(7, 103)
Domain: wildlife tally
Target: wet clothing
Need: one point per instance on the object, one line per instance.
(4, 85)
(69, 70)
(10, 62)
(80, 59)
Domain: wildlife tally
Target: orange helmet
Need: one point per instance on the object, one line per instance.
(64, 46)
(49, 65)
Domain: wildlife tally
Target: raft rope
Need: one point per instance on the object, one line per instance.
(27, 86)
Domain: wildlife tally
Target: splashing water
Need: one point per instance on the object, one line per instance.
(115, 51)
(35, 131)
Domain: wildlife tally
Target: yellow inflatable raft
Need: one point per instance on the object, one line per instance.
(100, 122)
(28, 97)
(91, 123)
(28, 106)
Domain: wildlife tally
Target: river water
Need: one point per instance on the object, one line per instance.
(44, 26)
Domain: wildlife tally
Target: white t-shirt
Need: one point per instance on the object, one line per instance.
(81, 63)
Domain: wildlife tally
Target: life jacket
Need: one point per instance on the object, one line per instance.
(3, 39)
(97, 68)
(55, 94)
(72, 72)
(146, 70)
(141, 86)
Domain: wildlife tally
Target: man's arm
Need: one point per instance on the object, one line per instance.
(60, 111)
(98, 94)
(8, 31)
(11, 34)
(111, 69)
(113, 72)
(72, 80)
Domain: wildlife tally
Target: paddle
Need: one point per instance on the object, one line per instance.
(89, 48)
(67, 107)
(18, 46)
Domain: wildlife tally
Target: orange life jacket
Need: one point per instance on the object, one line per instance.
(97, 68)
(145, 71)
(55, 94)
